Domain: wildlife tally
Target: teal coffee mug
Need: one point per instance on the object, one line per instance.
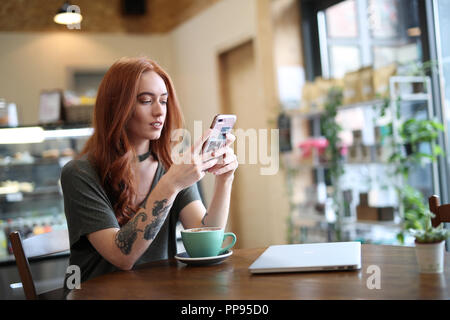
(206, 242)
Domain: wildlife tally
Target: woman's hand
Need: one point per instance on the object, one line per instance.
(227, 164)
(192, 166)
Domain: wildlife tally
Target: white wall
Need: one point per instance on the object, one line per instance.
(195, 46)
(31, 62)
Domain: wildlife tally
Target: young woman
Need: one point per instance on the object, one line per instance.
(124, 195)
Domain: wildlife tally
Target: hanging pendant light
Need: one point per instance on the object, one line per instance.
(68, 14)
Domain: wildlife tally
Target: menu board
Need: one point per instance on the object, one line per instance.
(50, 106)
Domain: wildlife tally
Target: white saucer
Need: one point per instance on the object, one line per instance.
(184, 257)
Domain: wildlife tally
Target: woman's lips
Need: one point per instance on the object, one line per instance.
(156, 124)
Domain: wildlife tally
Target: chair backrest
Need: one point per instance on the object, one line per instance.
(441, 212)
(37, 246)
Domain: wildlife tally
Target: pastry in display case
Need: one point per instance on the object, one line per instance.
(31, 200)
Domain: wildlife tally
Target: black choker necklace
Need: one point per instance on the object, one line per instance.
(144, 156)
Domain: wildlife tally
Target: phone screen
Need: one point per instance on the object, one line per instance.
(217, 141)
(222, 124)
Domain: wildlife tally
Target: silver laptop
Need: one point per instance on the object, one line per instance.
(309, 257)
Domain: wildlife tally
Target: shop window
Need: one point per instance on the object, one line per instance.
(341, 20)
(442, 25)
(344, 59)
(358, 33)
(383, 18)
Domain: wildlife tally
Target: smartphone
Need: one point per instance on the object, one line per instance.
(221, 124)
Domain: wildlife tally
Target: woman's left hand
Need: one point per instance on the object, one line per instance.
(227, 163)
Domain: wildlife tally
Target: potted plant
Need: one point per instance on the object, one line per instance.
(414, 133)
(415, 147)
(430, 245)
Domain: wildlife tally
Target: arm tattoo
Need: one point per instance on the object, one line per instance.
(128, 234)
(159, 207)
(204, 218)
(159, 211)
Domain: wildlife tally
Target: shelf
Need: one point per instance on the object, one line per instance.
(313, 220)
(54, 126)
(308, 220)
(36, 161)
(40, 193)
(317, 113)
(414, 97)
(299, 113)
(363, 104)
(68, 133)
(325, 166)
(370, 223)
(38, 134)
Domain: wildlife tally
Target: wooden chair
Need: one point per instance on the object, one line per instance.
(37, 246)
(441, 212)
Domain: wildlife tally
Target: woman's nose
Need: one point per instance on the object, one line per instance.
(158, 109)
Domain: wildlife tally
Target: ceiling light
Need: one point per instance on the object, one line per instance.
(68, 14)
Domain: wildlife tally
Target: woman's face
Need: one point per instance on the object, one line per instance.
(150, 109)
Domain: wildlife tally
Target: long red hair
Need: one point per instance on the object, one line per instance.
(109, 148)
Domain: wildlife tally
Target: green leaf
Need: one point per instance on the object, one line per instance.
(401, 237)
(437, 150)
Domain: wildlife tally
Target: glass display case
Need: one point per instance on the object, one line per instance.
(31, 159)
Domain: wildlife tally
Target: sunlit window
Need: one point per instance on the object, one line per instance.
(359, 33)
(344, 59)
(342, 20)
(383, 18)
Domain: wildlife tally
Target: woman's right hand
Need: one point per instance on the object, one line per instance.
(193, 164)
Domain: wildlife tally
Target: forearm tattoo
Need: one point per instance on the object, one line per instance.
(127, 235)
(159, 211)
(204, 218)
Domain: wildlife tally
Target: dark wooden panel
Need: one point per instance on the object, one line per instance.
(99, 15)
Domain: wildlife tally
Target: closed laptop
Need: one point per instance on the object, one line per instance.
(309, 257)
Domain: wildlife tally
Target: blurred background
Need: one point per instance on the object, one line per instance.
(344, 83)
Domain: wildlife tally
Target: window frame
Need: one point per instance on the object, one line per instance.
(364, 41)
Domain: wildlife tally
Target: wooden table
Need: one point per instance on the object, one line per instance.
(172, 280)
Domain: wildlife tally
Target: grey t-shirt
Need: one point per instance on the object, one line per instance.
(88, 209)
